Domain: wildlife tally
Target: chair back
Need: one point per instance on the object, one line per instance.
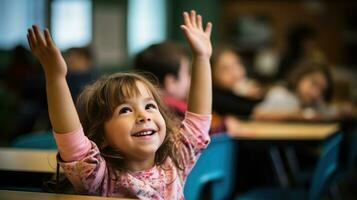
(326, 166)
(37, 140)
(215, 169)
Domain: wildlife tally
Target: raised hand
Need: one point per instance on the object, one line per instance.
(61, 109)
(197, 37)
(200, 97)
(46, 52)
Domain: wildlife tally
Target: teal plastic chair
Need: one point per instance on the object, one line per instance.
(37, 140)
(322, 177)
(214, 171)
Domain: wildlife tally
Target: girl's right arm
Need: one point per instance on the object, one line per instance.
(61, 108)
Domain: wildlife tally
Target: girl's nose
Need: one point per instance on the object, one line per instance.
(143, 117)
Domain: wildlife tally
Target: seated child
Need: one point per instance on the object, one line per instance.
(121, 142)
(304, 96)
(233, 92)
(169, 62)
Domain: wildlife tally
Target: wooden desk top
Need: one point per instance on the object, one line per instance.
(28, 160)
(16, 195)
(259, 130)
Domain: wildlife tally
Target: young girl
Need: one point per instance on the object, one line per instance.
(135, 151)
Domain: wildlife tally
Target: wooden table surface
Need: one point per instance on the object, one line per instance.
(28, 160)
(262, 130)
(19, 195)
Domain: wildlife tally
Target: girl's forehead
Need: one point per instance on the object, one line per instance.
(138, 89)
(143, 89)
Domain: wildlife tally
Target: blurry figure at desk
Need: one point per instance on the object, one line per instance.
(81, 69)
(234, 94)
(304, 96)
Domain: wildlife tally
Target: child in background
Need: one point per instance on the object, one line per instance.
(81, 69)
(233, 92)
(169, 62)
(135, 150)
(304, 97)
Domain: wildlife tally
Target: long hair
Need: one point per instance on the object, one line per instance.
(96, 105)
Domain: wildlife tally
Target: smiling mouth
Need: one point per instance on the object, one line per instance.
(144, 133)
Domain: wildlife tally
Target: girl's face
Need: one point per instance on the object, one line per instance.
(137, 129)
(311, 88)
(228, 70)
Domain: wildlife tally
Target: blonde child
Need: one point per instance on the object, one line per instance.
(135, 150)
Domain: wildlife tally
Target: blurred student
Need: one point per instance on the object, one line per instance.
(169, 62)
(305, 96)
(81, 69)
(233, 92)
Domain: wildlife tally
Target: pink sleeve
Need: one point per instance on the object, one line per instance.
(72, 146)
(194, 129)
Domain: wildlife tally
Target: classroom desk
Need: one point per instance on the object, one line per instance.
(283, 134)
(28, 160)
(18, 195)
(269, 131)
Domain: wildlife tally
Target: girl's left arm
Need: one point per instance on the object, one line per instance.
(200, 96)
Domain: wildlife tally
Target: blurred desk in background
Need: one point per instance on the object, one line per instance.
(19, 195)
(26, 169)
(28, 160)
(282, 138)
(270, 131)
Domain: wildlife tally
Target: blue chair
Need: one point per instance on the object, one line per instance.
(37, 140)
(215, 170)
(322, 177)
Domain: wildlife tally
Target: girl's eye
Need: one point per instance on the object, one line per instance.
(124, 110)
(150, 106)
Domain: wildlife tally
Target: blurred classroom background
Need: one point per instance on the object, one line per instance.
(103, 36)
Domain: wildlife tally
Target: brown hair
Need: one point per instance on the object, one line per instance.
(96, 105)
(306, 67)
(161, 59)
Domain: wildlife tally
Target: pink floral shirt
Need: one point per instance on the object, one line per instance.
(89, 174)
